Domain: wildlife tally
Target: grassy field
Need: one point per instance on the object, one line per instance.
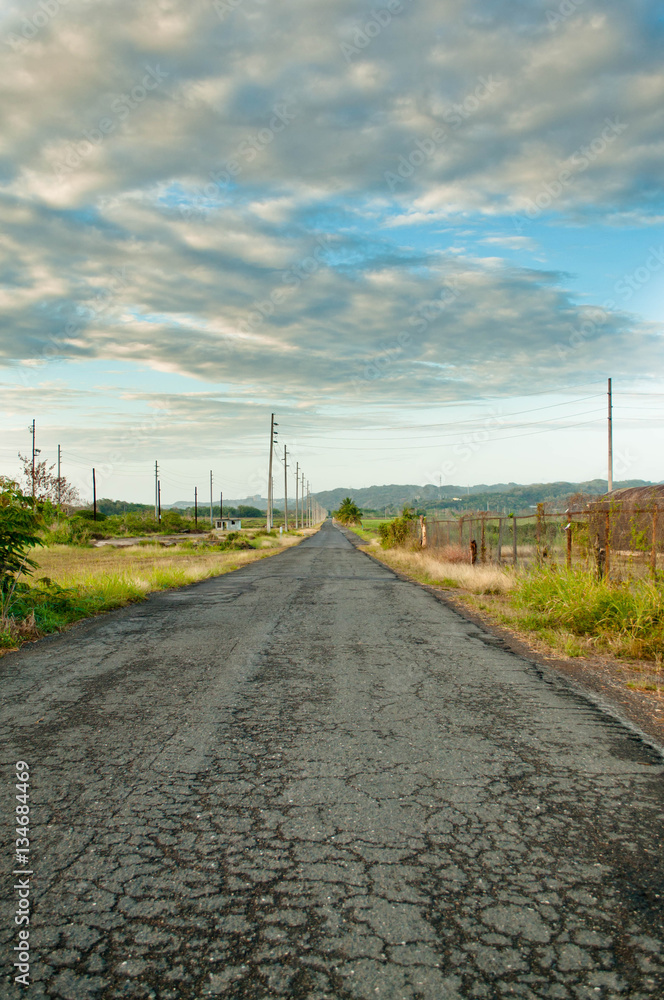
(73, 582)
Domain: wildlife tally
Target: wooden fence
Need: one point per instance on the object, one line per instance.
(611, 540)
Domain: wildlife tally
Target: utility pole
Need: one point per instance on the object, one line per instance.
(297, 476)
(221, 505)
(156, 491)
(159, 502)
(211, 514)
(195, 506)
(285, 490)
(35, 451)
(270, 491)
(303, 518)
(308, 505)
(94, 496)
(59, 477)
(610, 475)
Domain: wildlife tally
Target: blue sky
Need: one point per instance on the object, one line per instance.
(424, 234)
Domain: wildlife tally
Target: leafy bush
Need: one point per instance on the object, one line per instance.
(21, 521)
(396, 532)
(89, 515)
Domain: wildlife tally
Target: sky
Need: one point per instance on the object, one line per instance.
(423, 233)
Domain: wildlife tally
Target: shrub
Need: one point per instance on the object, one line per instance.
(396, 532)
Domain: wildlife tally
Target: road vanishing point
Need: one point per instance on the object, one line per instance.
(313, 779)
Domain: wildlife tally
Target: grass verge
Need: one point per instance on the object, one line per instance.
(72, 583)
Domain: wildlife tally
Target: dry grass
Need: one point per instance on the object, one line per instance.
(147, 567)
(437, 571)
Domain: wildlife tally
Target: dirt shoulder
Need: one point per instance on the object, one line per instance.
(605, 677)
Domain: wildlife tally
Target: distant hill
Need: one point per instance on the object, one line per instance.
(499, 496)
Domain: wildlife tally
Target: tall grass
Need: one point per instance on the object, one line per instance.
(435, 570)
(626, 619)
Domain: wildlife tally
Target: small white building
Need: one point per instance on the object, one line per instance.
(228, 523)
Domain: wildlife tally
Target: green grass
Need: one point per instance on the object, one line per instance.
(72, 582)
(626, 619)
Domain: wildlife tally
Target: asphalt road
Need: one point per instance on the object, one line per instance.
(311, 779)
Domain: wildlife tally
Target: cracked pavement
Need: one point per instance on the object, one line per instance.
(312, 779)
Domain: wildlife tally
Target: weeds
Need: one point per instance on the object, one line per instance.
(626, 619)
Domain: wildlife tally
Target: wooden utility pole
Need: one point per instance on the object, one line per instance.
(269, 475)
(156, 490)
(285, 489)
(297, 491)
(94, 496)
(33, 459)
(211, 512)
(59, 477)
(195, 506)
(610, 466)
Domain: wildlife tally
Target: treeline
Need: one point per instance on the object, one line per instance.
(111, 507)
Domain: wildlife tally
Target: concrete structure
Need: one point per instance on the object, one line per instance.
(228, 524)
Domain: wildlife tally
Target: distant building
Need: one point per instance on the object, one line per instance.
(228, 524)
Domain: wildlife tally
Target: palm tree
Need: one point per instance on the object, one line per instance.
(348, 512)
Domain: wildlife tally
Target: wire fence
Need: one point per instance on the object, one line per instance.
(608, 538)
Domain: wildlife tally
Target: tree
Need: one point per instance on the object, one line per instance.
(348, 512)
(46, 485)
(20, 524)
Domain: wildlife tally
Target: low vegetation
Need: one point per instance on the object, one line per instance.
(46, 584)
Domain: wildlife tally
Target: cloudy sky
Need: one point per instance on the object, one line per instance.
(423, 233)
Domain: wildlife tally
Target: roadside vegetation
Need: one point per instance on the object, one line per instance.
(568, 611)
(348, 513)
(51, 575)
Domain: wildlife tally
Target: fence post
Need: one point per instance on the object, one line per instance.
(514, 547)
(538, 533)
(423, 531)
(500, 539)
(568, 532)
(653, 549)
